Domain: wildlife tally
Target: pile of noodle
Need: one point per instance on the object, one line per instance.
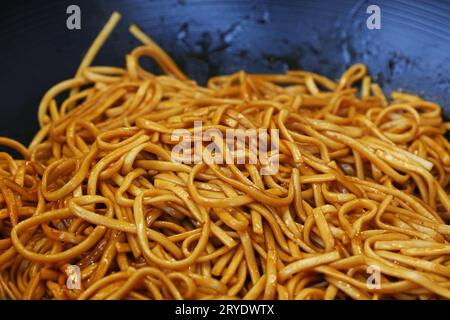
(361, 190)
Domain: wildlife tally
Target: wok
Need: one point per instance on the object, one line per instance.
(411, 51)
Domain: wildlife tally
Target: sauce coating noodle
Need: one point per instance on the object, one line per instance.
(362, 185)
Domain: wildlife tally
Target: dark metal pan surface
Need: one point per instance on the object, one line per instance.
(411, 51)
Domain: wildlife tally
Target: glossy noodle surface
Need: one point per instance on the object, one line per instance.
(358, 208)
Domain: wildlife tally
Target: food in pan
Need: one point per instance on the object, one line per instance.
(97, 207)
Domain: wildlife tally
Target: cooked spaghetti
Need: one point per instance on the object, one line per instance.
(358, 208)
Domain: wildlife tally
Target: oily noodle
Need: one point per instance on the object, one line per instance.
(360, 194)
